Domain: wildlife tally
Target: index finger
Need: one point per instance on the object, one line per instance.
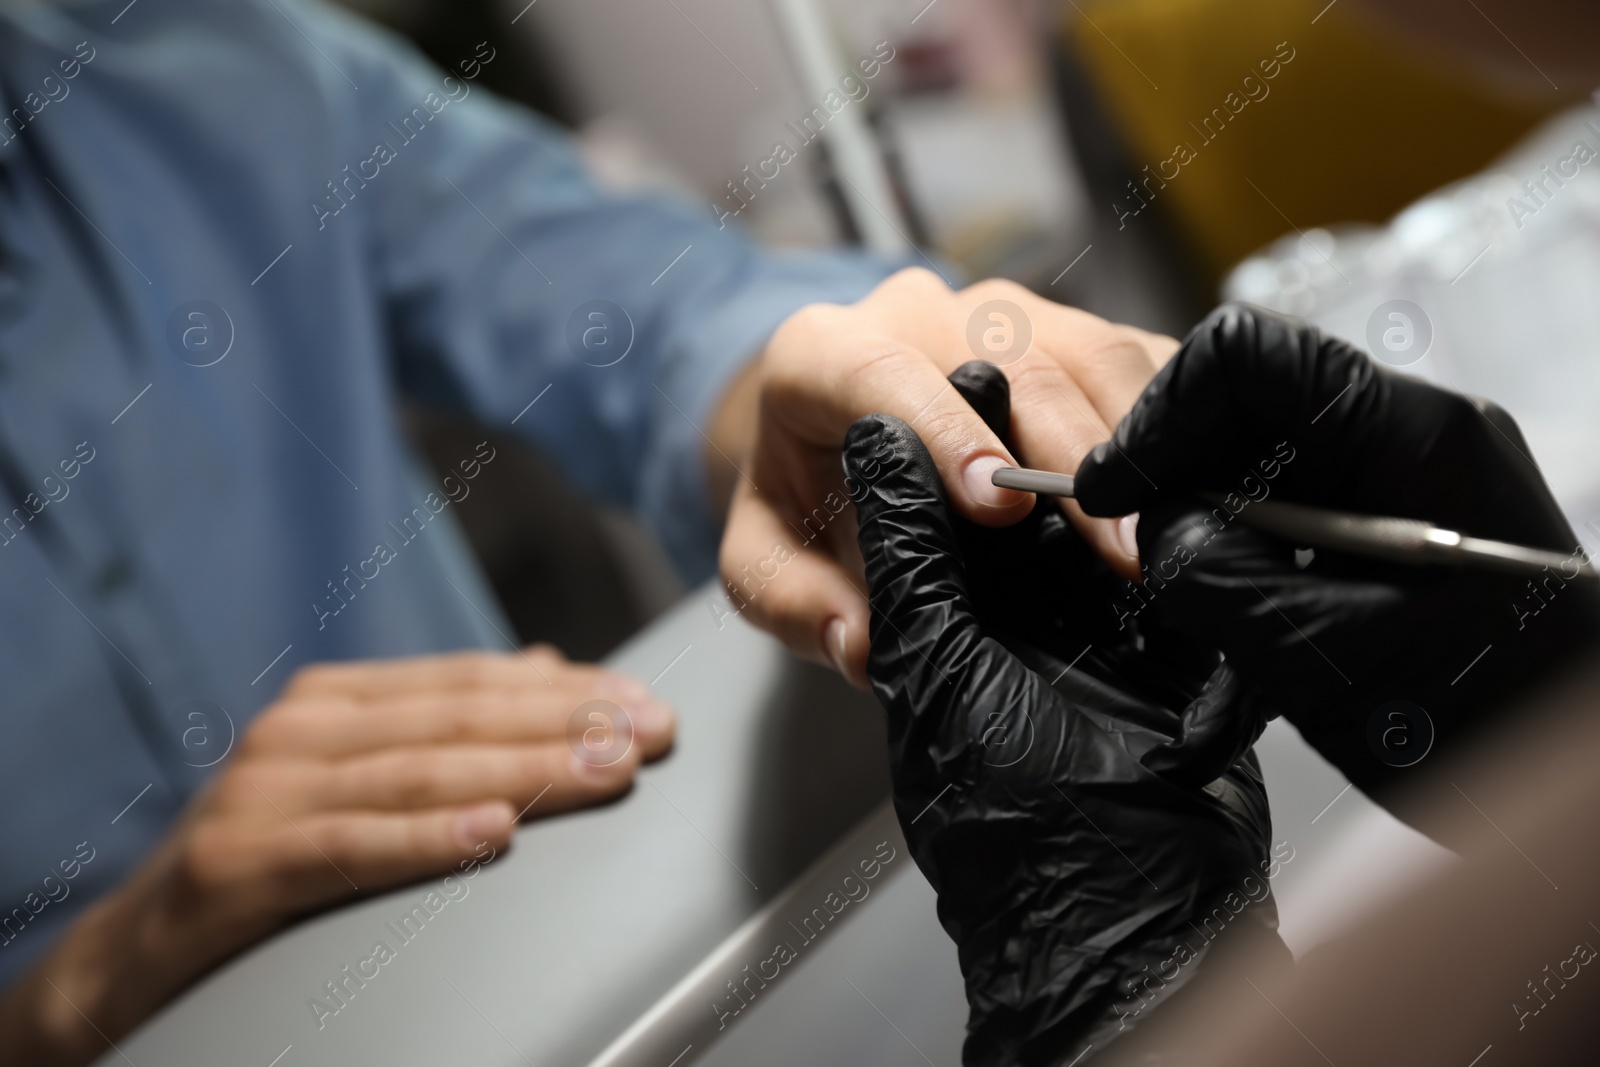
(876, 374)
(451, 672)
(1072, 375)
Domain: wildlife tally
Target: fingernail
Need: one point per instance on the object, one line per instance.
(833, 643)
(652, 718)
(485, 822)
(646, 714)
(1128, 534)
(975, 478)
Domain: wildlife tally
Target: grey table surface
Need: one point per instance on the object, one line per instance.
(613, 937)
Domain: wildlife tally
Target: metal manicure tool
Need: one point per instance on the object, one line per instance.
(1382, 537)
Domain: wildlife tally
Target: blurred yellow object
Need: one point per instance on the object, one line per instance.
(1246, 119)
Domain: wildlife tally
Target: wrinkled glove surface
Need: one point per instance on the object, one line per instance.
(1079, 886)
(1350, 649)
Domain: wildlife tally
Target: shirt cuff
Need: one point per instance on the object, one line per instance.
(676, 498)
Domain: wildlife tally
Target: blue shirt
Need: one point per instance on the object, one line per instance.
(233, 235)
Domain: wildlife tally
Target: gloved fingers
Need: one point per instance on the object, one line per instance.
(1500, 419)
(1510, 511)
(1221, 583)
(1243, 381)
(929, 658)
(1042, 555)
(1219, 726)
(992, 554)
(987, 391)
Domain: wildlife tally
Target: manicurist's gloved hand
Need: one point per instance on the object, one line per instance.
(1372, 661)
(1080, 887)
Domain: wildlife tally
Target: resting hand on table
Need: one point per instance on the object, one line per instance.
(360, 777)
(789, 551)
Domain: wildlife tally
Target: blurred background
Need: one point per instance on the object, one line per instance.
(1406, 174)
(1335, 163)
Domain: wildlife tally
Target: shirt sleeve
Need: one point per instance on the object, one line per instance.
(601, 327)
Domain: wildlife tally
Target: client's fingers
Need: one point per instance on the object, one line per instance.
(822, 374)
(803, 596)
(323, 857)
(1056, 427)
(450, 673)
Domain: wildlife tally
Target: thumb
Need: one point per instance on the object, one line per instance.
(930, 663)
(1218, 728)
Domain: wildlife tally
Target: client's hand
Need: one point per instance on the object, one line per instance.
(789, 551)
(360, 777)
(1372, 661)
(1079, 886)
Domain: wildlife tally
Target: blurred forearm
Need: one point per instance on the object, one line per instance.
(114, 967)
(731, 434)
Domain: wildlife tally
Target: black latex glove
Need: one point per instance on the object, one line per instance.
(1347, 648)
(1078, 885)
